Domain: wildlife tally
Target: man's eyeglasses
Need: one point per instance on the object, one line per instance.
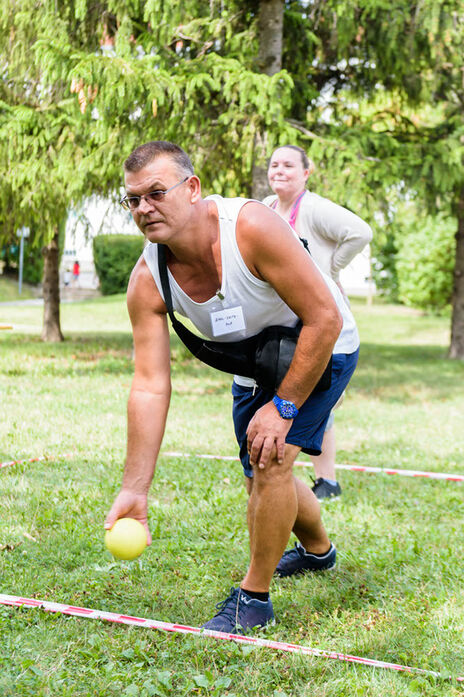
(131, 203)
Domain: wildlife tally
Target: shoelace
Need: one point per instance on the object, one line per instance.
(292, 551)
(225, 606)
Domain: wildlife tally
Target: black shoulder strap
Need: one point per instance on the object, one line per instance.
(192, 341)
(163, 272)
(237, 357)
(234, 357)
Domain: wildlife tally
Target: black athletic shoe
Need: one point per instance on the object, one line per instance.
(239, 612)
(299, 561)
(325, 490)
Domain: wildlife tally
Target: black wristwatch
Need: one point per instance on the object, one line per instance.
(286, 409)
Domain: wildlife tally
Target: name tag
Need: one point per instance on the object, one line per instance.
(227, 321)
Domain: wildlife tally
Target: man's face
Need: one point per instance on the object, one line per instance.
(161, 218)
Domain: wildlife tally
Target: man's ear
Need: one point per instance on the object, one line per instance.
(195, 188)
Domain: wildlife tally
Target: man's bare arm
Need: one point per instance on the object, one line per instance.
(273, 253)
(149, 397)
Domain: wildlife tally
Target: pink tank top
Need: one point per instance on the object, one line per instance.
(294, 211)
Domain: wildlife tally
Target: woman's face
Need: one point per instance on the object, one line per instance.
(286, 174)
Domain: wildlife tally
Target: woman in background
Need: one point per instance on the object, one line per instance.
(335, 236)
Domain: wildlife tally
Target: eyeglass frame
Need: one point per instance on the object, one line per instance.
(160, 193)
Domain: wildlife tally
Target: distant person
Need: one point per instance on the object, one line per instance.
(335, 236)
(76, 273)
(67, 277)
(234, 268)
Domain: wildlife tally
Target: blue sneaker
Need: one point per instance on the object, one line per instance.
(239, 612)
(324, 490)
(299, 561)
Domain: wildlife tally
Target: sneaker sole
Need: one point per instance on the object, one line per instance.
(303, 572)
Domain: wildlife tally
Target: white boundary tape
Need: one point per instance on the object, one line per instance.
(34, 459)
(352, 468)
(18, 601)
(20, 462)
(299, 463)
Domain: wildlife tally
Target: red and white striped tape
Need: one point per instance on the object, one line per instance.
(298, 463)
(33, 459)
(20, 462)
(87, 613)
(352, 468)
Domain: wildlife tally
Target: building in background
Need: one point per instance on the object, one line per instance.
(97, 216)
(356, 278)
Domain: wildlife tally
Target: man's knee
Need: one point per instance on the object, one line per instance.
(273, 472)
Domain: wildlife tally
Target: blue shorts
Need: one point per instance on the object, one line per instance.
(308, 428)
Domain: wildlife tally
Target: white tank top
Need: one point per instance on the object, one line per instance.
(261, 305)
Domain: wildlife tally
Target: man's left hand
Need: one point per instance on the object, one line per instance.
(267, 430)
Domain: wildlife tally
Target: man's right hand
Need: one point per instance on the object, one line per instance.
(128, 504)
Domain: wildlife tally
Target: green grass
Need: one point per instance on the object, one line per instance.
(9, 291)
(397, 593)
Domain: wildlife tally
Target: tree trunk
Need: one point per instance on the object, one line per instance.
(260, 186)
(456, 349)
(51, 330)
(270, 37)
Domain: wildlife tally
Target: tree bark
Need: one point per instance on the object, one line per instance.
(51, 330)
(260, 186)
(270, 37)
(456, 349)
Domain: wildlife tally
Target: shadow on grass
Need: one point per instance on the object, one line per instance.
(403, 373)
(398, 373)
(33, 345)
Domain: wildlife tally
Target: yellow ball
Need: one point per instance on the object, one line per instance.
(127, 539)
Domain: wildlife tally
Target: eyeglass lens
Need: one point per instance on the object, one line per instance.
(133, 202)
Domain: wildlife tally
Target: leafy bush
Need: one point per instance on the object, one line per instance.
(384, 266)
(425, 263)
(32, 262)
(114, 258)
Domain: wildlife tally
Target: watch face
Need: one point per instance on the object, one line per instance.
(287, 409)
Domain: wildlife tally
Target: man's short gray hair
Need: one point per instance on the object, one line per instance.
(146, 153)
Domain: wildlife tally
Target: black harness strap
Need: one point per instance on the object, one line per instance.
(265, 357)
(236, 357)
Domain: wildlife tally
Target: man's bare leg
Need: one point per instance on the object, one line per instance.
(324, 464)
(278, 502)
(308, 524)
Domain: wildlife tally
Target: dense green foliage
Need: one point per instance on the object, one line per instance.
(32, 262)
(372, 89)
(100, 79)
(114, 257)
(396, 595)
(425, 263)
(384, 271)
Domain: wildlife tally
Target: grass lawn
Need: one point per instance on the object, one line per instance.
(396, 595)
(9, 291)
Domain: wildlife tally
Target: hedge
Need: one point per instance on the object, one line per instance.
(114, 258)
(425, 263)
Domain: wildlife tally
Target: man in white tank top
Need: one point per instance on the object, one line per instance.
(164, 196)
